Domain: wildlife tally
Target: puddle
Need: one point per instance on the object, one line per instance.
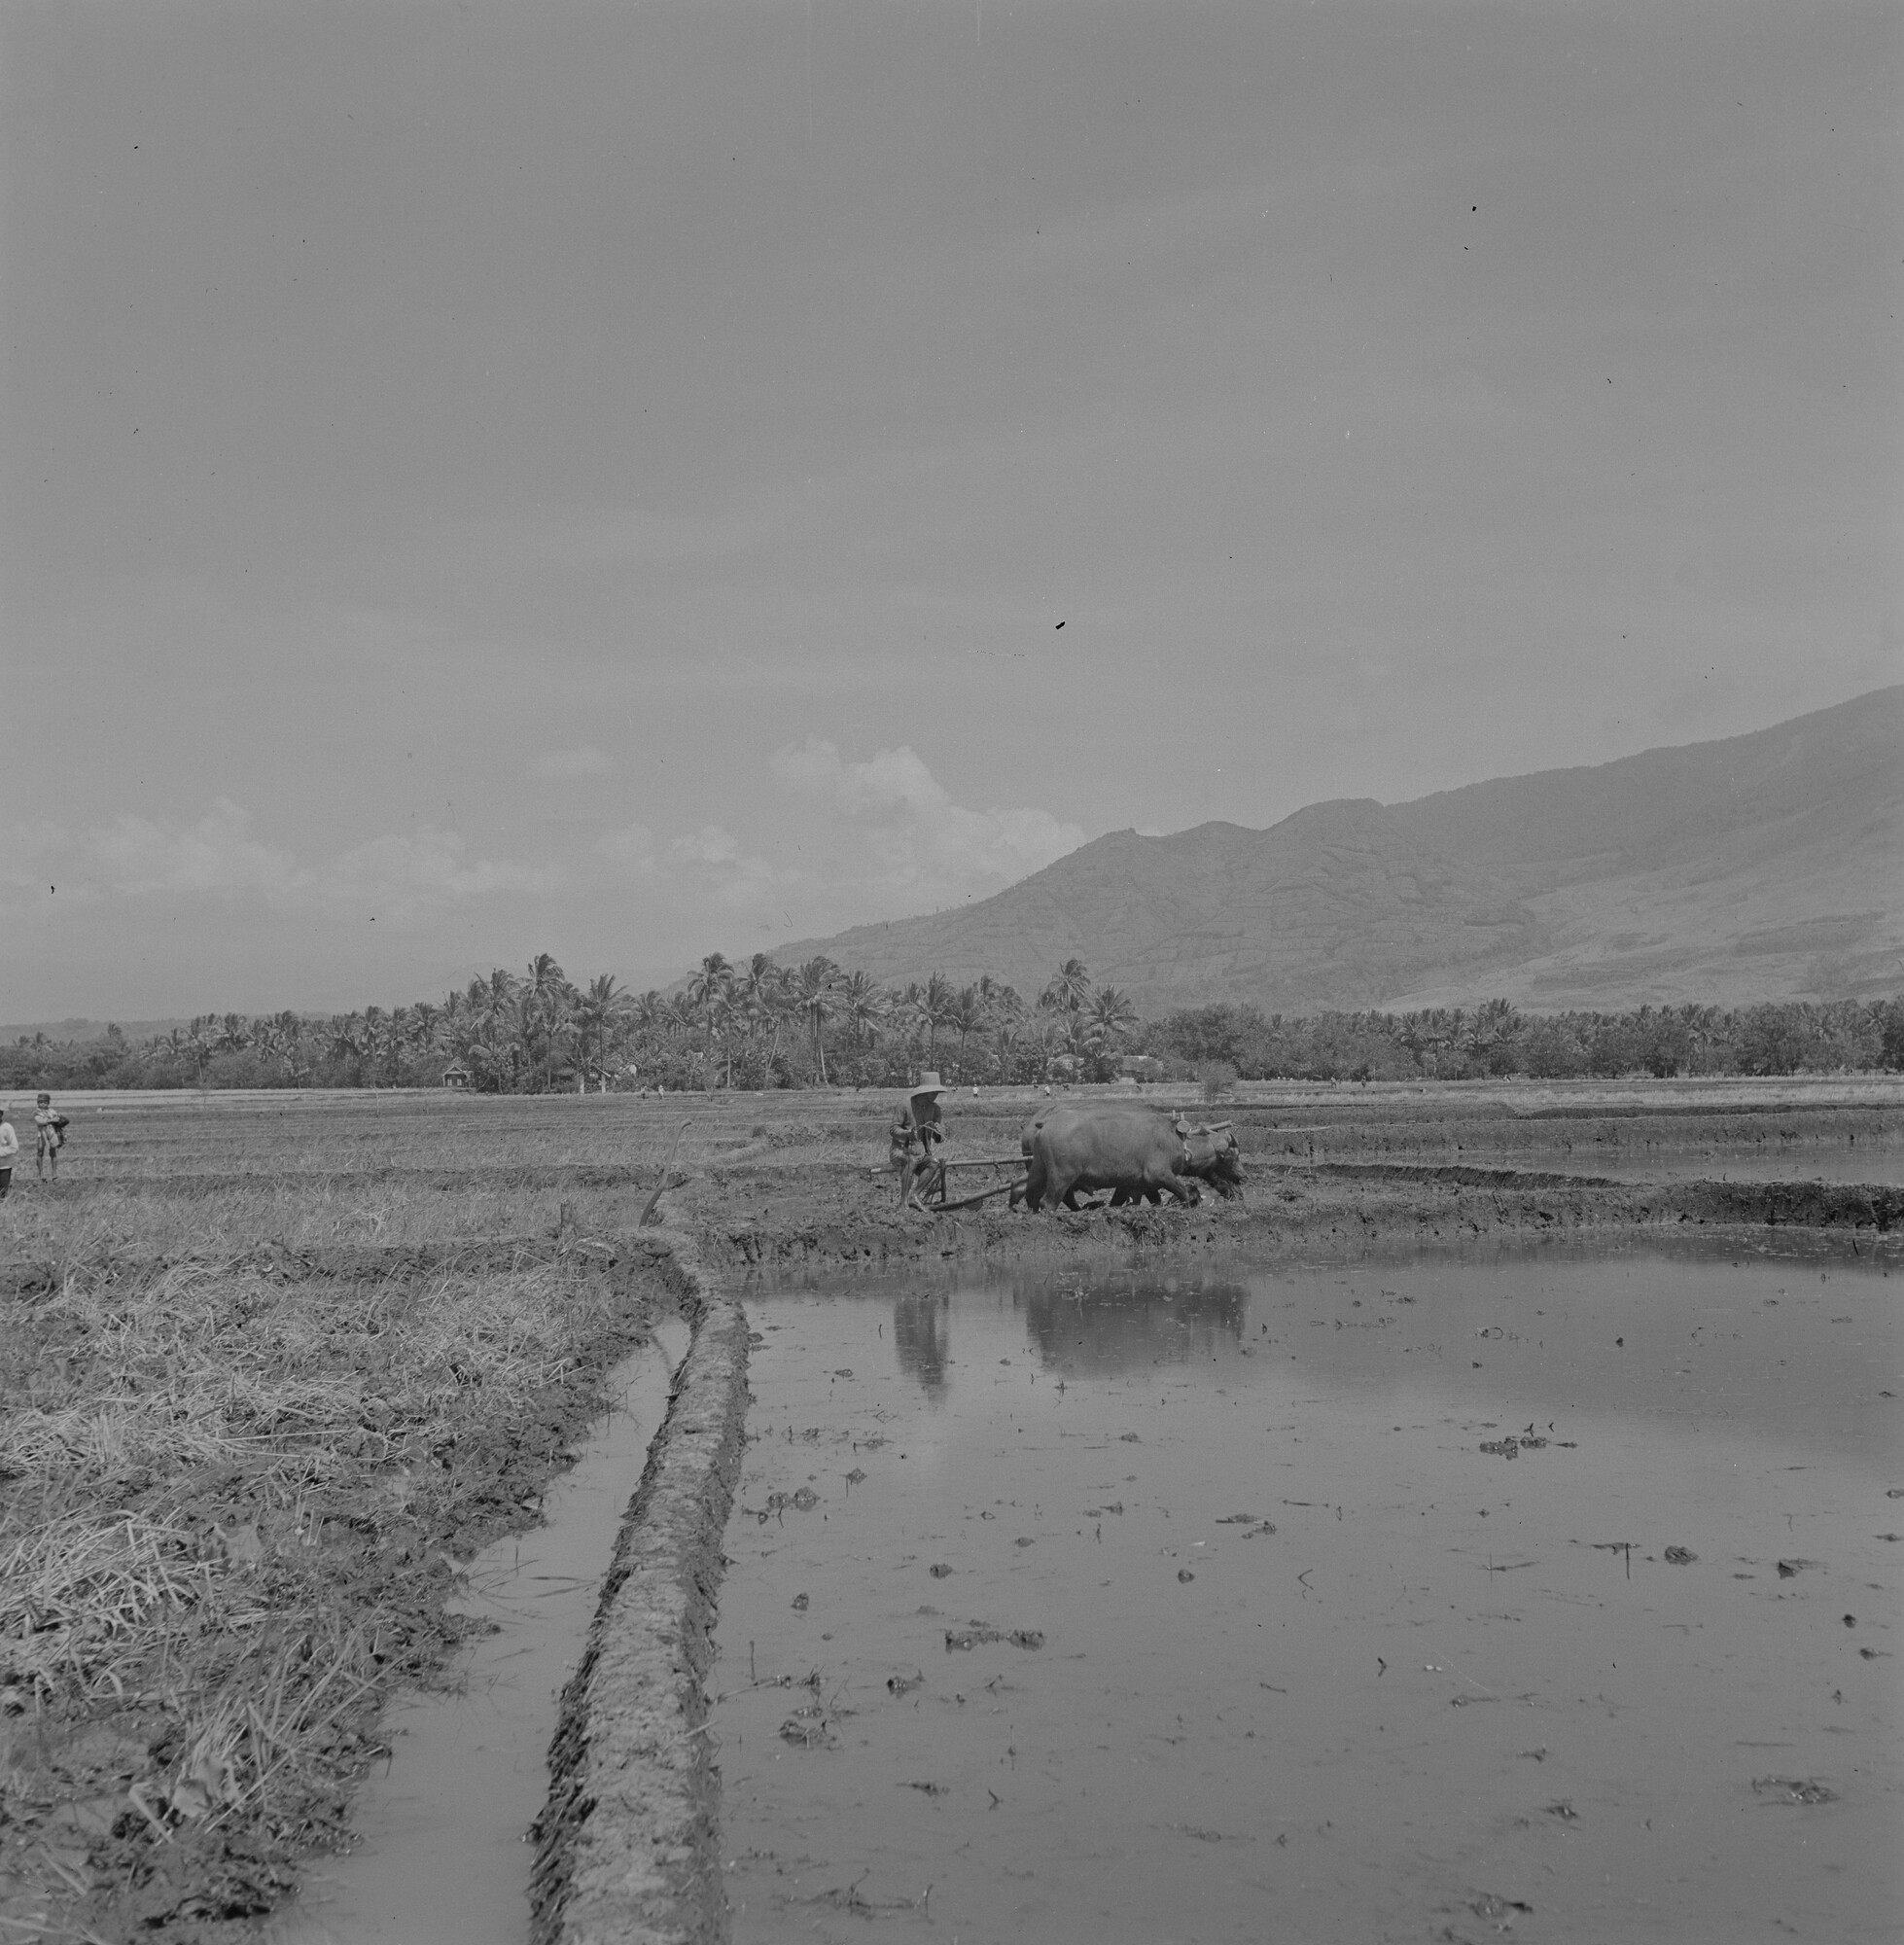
(1208, 1604)
(442, 1858)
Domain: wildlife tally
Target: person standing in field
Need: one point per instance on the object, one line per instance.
(9, 1153)
(50, 1126)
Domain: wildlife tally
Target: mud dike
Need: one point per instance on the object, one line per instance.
(627, 1847)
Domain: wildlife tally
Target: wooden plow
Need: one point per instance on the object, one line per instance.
(943, 1164)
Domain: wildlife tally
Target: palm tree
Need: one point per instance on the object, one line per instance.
(1005, 1011)
(479, 1044)
(1060, 1028)
(707, 992)
(965, 1013)
(934, 1005)
(863, 1004)
(1070, 986)
(601, 1018)
(492, 1023)
(1106, 1023)
(729, 1023)
(1111, 1015)
(283, 1040)
(347, 1043)
(650, 1014)
(376, 1042)
(813, 997)
(269, 1041)
(759, 989)
(200, 1042)
(909, 1006)
(544, 1003)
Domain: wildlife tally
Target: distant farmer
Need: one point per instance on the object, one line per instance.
(9, 1153)
(916, 1131)
(50, 1125)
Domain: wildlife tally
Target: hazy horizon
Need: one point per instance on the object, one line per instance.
(633, 483)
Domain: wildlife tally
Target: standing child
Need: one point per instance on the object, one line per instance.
(50, 1128)
(9, 1153)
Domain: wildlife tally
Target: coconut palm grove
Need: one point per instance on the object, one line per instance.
(759, 1025)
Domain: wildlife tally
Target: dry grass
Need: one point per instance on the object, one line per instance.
(80, 1597)
(234, 1488)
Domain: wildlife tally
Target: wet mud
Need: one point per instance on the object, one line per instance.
(1331, 1204)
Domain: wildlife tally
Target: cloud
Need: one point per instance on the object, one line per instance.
(34, 852)
(429, 867)
(911, 840)
(712, 861)
(134, 855)
(566, 766)
(629, 851)
(219, 857)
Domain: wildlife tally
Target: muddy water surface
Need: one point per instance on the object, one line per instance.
(442, 1857)
(1527, 1594)
(1876, 1163)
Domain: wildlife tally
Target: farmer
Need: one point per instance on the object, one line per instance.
(50, 1127)
(915, 1132)
(9, 1153)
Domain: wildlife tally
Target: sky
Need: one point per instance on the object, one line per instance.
(629, 481)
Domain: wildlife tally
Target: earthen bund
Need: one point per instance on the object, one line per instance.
(627, 1846)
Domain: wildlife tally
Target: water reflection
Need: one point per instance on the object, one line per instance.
(1722, 1400)
(922, 1333)
(1121, 1323)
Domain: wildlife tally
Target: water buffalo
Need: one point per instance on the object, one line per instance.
(1214, 1158)
(1130, 1150)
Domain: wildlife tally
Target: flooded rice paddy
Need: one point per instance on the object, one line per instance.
(442, 1856)
(1459, 1595)
(1866, 1162)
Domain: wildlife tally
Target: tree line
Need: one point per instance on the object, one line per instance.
(1496, 1038)
(756, 1024)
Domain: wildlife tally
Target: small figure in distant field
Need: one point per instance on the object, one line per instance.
(915, 1132)
(50, 1127)
(9, 1153)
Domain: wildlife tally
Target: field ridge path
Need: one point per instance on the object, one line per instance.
(627, 1846)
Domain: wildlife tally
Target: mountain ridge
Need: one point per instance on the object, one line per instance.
(1764, 866)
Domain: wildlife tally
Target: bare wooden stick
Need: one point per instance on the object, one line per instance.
(983, 1195)
(667, 1182)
